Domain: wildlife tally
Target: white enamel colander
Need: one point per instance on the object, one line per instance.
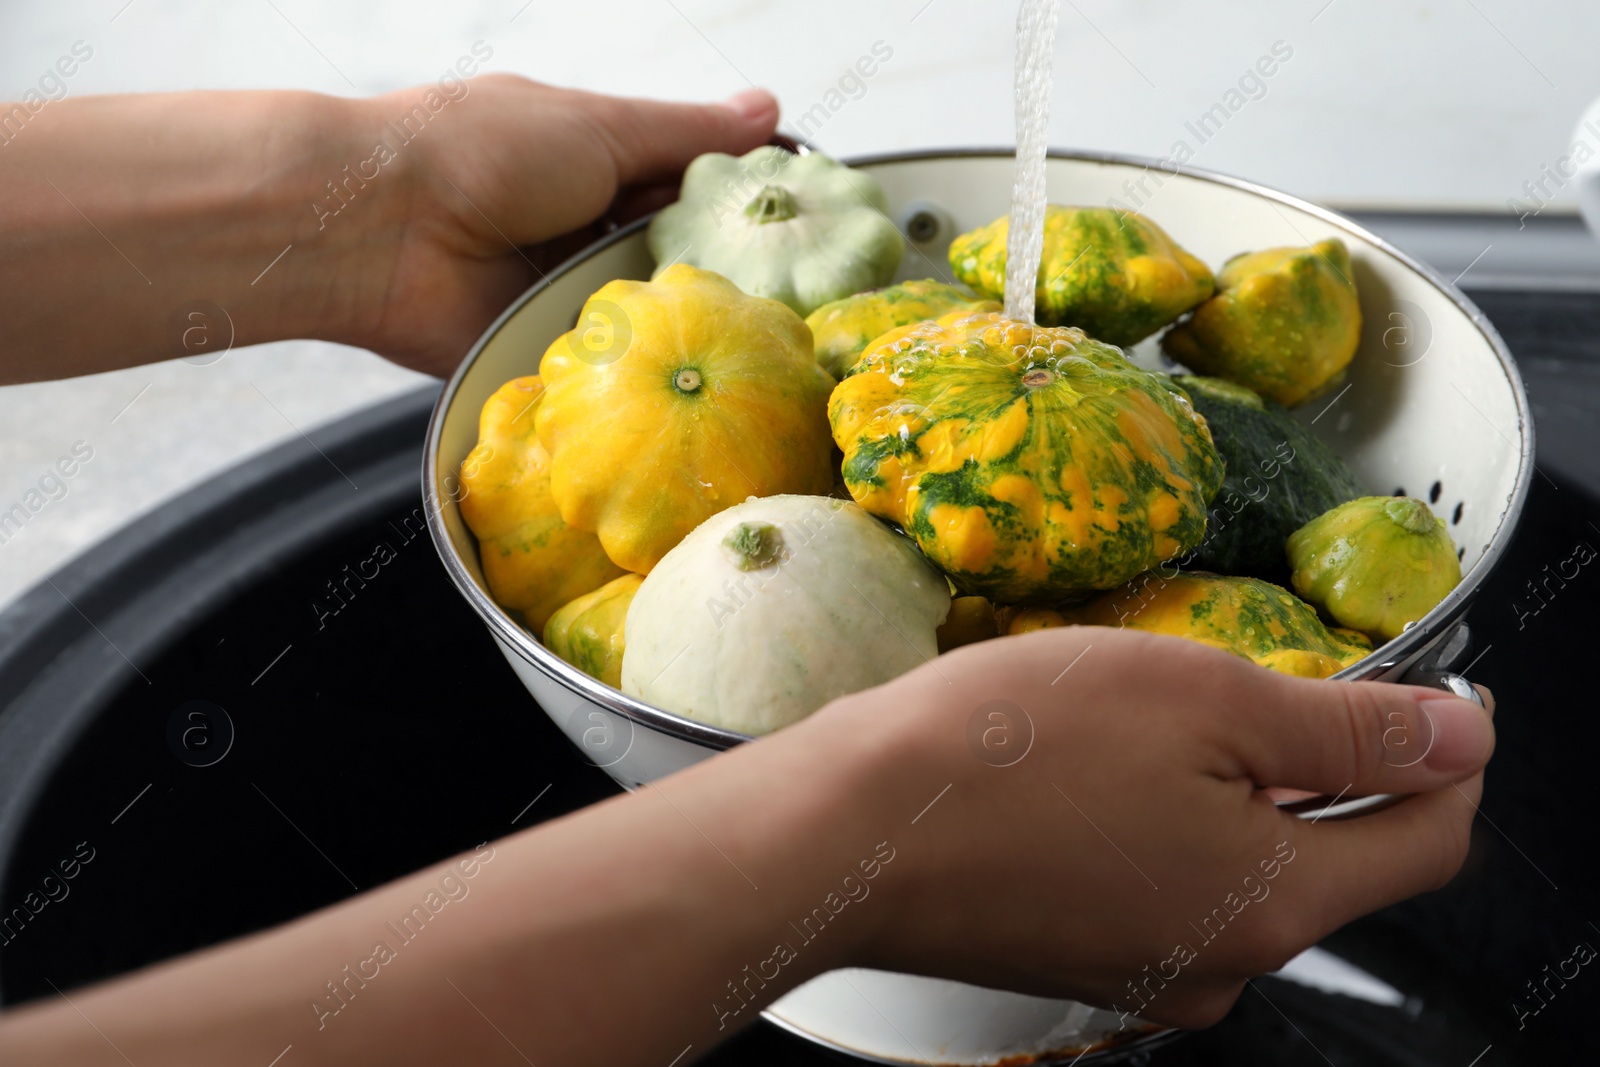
(1433, 407)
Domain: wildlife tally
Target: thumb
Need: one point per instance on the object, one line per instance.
(1358, 737)
(653, 140)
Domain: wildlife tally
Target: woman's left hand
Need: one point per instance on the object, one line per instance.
(403, 223)
(502, 184)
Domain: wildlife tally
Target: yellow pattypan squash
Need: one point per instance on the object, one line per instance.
(703, 397)
(533, 561)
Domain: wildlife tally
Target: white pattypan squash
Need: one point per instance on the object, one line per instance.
(768, 610)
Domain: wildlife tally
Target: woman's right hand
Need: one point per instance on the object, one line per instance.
(1116, 851)
(1076, 812)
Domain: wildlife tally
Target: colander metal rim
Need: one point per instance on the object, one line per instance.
(1382, 660)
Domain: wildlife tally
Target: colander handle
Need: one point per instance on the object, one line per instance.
(1449, 681)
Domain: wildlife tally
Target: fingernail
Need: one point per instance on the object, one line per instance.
(1462, 734)
(751, 103)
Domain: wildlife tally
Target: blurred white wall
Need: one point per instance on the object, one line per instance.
(1452, 105)
(1444, 104)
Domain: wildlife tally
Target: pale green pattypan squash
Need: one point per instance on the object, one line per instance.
(801, 229)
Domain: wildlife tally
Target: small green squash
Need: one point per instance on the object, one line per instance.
(1376, 564)
(1279, 476)
(588, 632)
(801, 229)
(774, 607)
(1115, 275)
(1285, 322)
(841, 329)
(1245, 616)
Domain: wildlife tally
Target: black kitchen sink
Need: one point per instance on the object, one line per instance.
(215, 729)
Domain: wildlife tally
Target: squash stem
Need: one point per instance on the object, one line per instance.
(772, 203)
(754, 545)
(1410, 515)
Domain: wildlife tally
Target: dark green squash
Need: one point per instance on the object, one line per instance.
(1278, 477)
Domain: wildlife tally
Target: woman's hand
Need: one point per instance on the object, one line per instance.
(404, 223)
(502, 184)
(1073, 813)
(1076, 813)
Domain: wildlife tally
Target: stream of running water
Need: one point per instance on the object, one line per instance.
(1036, 35)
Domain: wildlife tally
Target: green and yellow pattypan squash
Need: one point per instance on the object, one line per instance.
(713, 396)
(1285, 322)
(588, 632)
(1376, 564)
(771, 609)
(1029, 463)
(800, 229)
(1244, 616)
(842, 329)
(1114, 275)
(532, 560)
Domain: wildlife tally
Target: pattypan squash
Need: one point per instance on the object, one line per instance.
(802, 229)
(971, 619)
(1245, 616)
(1285, 322)
(1376, 564)
(774, 607)
(532, 560)
(1029, 463)
(841, 330)
(1115, 275)
(713, 397)
(1027, 620)
(588, 632)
